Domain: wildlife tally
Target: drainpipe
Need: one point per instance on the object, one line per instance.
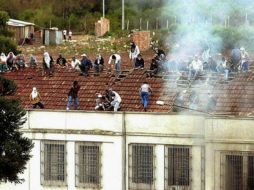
(124, 151)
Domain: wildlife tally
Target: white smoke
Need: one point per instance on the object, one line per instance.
(195, 34)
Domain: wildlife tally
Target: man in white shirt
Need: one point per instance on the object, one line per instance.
(116, 100)
(75, 63)
(69, 35)
(117, 63)
(195, 67)
(145, 92)
(64, 34)
(244, 59)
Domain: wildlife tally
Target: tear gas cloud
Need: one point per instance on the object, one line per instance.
(196, 22)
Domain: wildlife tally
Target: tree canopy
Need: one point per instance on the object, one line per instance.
(14, 147)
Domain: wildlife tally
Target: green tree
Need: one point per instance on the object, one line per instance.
(6, 44)
(14, 147)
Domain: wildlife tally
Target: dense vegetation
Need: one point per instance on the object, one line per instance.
(162, 15)
(6, 43)
(79, 14)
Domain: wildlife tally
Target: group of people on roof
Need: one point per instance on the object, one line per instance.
(13, 62)
(237, 61)
(109, 101)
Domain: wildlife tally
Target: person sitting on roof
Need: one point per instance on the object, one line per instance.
(211, 64)
(221, 65)
(20, 61)
(160, 53)
(98, 64)
(75, 63)
(10, 60)
(145, 91)
(61, 60)
(48, 64)
(235, 59)
(195, 68)
(35, 98)
(32, 61)
(153, 68)
(139, 62)
(85, 65)
(244, 59)
(117, 63)
(134, 52)
(73, 94)
(3, 66)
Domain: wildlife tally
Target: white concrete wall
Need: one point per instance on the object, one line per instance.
(214, 134)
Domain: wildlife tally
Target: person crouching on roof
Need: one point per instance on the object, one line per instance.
(3, 66)
(98, 64)
(73, 94)
(134, 52)
(85, 65)
(10, 60)
(116, 100)
(117, 63)
(145, 92)
(99, 102)
(35, 98)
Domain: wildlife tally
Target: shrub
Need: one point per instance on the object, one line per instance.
(7, 87)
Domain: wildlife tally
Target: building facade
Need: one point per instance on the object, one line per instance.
(137, 151)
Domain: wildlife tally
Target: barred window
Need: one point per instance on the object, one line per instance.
(177, 167)
(237, 171)
(141, 166)
(53, 163)
(88, 165)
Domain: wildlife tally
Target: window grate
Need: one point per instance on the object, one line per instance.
(177, 167)
(88, 165)
(237, 169)
(53, 162)
(141, 166)
(234, 171)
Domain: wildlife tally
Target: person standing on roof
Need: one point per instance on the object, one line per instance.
(117, 63)
(48, 63)
(145, 92)
(116, 100)
(35, 98)
(134, 52)
(244, 59)
(73, 94)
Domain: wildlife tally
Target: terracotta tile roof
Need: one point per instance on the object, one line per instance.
(233, 97)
